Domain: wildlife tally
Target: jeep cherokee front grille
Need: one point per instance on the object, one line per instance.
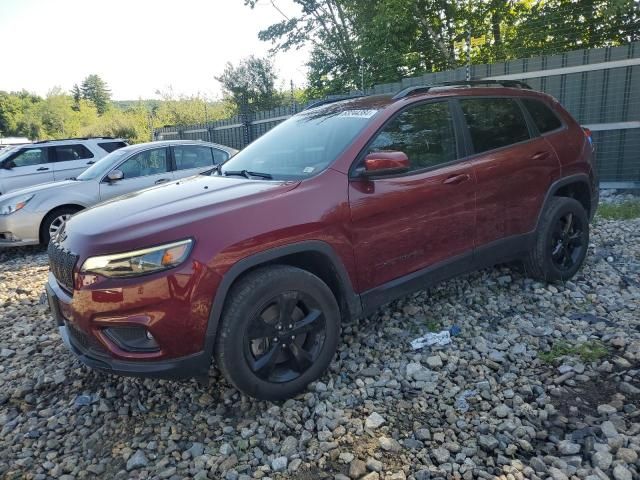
(62, 262)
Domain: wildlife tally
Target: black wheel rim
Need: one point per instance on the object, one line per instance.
(285, 337)
(567, 242)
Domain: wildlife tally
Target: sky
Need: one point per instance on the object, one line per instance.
(136, 46)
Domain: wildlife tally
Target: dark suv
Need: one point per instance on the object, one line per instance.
(342, 208)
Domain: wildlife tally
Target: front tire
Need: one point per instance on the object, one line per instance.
(561, 241)
(279, 332)
(54, 221)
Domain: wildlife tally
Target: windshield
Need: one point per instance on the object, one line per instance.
(102, 166)
(6, 151)
(302, 146)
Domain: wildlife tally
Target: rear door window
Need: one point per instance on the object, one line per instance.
(542, 115)
(494, 122)
(111, 146)
(67, 153)
(192, 156)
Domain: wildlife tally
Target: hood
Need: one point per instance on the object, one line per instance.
(150, 216)
(43, 187)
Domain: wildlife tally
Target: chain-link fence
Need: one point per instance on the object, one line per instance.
(600, 87)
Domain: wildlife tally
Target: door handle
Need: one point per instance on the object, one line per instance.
(42, 169)
(162, 180)
(90, 162)
(540, 155)
(456, 179)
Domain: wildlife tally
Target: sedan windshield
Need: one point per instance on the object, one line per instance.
(102, 166)
(300, 147)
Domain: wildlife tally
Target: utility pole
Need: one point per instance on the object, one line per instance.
(468, 69)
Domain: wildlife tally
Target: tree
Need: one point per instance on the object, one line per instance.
(251, 84)
(95, 90)
(359, 43)
(76, 93)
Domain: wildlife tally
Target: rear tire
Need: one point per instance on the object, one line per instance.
(279, 332)
(561, 241)
(53, 221)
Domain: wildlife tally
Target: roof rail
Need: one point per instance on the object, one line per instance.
(326, 101)
(416, 89)
(479, 83)
(75, 138)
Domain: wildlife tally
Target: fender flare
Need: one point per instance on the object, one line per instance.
(352, 299)
(557, 185)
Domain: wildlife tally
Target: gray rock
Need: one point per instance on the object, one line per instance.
(609, 429)
(434, 361)
(389, 444)
(196, 449)
(566, 447)
(606, 409)
(441, 455)
(621, 472)
(279, 464)
(374, 465)
(374, 421)
(137, 460)
(601, 459)
(488, 442)
(357, 468)
(627, 455)
(557, 474)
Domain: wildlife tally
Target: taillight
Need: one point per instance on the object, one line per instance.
(587, 133)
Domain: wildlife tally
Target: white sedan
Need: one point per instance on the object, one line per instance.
(33, 215)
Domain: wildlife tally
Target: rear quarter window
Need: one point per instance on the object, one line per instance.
(543, 117)
(111, 146)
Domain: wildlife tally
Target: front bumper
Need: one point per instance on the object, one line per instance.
(95, 356)
(20, 228)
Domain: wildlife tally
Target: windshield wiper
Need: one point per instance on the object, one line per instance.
(249, 174)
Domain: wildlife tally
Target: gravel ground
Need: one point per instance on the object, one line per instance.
(542, 381)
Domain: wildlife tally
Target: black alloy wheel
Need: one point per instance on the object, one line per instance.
(279, 330)
(567, 242)
(285, 338)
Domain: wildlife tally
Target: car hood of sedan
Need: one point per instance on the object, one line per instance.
(41, 188)
(145, 217)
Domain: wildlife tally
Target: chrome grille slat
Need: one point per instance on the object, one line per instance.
(62, 262)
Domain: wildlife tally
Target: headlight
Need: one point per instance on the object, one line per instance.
(15, 204)
(139, 262)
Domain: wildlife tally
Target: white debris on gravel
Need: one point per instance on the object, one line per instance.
(485, 405)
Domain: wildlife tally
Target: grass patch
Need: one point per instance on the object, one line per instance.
(433, 325)
(587, 351)
(624, 211)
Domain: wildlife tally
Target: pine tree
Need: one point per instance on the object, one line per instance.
(77, 95)
(95, 90)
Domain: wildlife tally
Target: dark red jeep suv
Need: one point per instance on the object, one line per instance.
(343, 207)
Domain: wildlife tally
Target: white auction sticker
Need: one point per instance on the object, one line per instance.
(358, 113)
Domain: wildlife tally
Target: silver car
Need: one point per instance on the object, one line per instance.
(33, 215)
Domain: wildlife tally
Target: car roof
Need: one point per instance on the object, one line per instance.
(160, 143)
(422, 92)
(78, 139)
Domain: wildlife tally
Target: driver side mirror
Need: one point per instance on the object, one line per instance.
(385, 163)
(115, 175)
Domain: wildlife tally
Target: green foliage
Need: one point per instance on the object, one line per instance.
(251, 84)
(623, 211)
(95, 90)
(359, 43)
(587, 351)
(61, 115)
